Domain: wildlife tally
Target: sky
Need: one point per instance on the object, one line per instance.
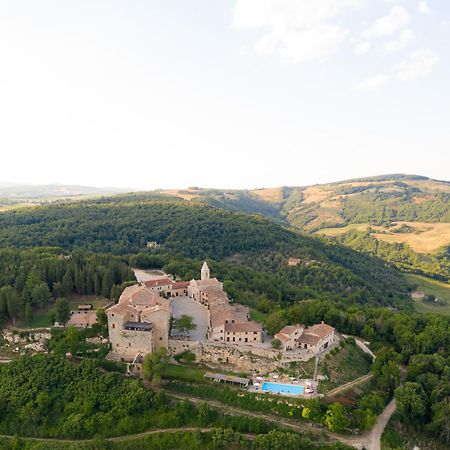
(226, 93)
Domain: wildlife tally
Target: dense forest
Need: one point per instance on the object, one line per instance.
(123, 224)
(399, 255)
(31, 279)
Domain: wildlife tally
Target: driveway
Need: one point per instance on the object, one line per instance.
(199, 313)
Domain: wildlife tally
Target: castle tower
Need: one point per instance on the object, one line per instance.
(205, 271)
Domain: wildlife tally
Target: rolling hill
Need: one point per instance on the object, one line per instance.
(403, 219)
(188, 229)
(377, 200)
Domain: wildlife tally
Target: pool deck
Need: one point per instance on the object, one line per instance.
(306, 384)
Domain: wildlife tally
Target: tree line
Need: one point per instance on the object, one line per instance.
(32, 279)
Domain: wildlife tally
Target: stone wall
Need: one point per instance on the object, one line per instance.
(177, 346)
(26, 336)
(246, 358)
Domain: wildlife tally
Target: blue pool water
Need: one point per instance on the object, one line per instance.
(283, 388)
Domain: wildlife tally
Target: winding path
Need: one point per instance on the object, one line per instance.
(369, 441)
(374, 437)
(348, 385)
(126, 437)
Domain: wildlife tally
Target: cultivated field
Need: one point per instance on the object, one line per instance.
(426, 237)
(431, 287)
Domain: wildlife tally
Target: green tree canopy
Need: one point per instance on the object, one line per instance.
(154, 364)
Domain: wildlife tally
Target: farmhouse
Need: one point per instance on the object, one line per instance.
(315, 338)
(289, 335)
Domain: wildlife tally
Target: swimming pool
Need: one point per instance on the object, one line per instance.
(279, 388)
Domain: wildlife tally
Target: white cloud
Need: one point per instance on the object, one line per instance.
(397, 19)
(424, 8)
(297, 30)
(372, 82)
(404, 39)
(303, 45)
(362, 48)
(417, 65)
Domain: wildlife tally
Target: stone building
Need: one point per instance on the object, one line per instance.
(139, 323)
(288, 336)
(315, 338)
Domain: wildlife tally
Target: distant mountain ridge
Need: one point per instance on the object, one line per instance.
(12, 194)
(377, 200)
(11, 190)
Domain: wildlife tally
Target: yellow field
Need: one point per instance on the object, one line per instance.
(315, 194)
(185, 194)
(273, 195)
(428, 238)
(343, 230)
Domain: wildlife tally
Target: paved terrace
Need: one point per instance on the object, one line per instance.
(199, 313)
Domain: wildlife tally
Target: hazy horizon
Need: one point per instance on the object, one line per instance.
(8, 184)
(236, 94)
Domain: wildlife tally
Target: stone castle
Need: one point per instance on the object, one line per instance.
(141, 321)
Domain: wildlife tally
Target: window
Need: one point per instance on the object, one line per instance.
(234, 339)
(114, 325)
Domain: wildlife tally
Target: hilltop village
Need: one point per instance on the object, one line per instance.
(141, 322)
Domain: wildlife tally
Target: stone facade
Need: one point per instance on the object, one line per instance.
(317, 337)
(288, 336)
(139, 323)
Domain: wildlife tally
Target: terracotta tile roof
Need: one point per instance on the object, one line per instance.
(180, 284)
(320, 330)
(121, 309)
(157, 283)
(240, 327)
(220, 313)
(208, 282)
(310, 339)
(315, 333)
(291, 329)
(282, 337)
(140, 297)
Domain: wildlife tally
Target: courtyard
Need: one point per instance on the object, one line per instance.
(199, 313)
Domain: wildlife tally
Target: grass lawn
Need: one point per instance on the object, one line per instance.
(431, 287)
(186, 373)
(257, 316)
(40, 320)
(94, 300)
(348, 364)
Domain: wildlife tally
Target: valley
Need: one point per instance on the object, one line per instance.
(136, 289)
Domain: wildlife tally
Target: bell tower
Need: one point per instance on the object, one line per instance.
(205, 271)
